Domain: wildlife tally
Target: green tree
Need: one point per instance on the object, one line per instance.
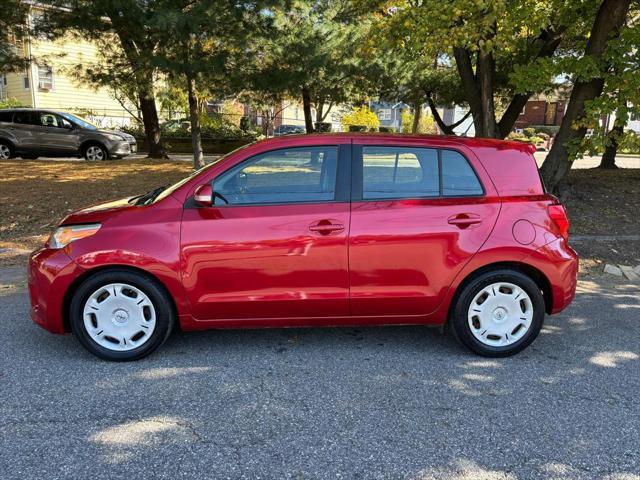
(13, 29)
(590, 72)
(318, 53)
(200, 47)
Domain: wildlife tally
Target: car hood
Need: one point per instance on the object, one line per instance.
(98, 212)
(126, 136)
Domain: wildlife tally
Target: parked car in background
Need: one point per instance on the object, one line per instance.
(323, 229)
(288, 130)
(31, 133)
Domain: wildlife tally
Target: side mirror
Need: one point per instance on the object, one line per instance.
(203, 195)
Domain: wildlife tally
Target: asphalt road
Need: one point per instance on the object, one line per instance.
(400, 402)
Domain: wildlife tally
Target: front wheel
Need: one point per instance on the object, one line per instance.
(95, 152)
(498, 314)
(121, 315)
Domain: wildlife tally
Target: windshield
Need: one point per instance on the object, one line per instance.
(82, 123)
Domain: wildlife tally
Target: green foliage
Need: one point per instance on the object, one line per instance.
(427, 124)
(361, 116)
(13, 28)
(11, 103)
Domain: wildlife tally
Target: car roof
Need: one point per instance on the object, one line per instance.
(470, 142)
(29, 109)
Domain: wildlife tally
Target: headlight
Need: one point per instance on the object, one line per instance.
(113, 137)
(63, 236)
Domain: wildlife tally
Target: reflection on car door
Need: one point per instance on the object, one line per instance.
(56, 134)
(419, 215)
(23, 128)
(278, 248)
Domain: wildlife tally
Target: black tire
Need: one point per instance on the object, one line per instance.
(462, 302)
(165, 316)
(4, 148)
(95, 152)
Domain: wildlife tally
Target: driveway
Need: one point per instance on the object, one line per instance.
(384, 403)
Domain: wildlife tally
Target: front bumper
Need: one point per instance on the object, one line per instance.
(51, 274)
(121, 149)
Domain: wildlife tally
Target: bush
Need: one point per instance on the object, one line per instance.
(322, 127)
(550, 130)
(11, 103)
(361, 117)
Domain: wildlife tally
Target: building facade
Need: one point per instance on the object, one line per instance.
(51, 82)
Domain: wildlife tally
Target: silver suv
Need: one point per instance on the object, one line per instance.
(30, 133)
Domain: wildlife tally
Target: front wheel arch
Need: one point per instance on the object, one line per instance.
(66, 304)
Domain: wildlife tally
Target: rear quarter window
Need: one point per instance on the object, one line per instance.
(458, 178)
(6, 116)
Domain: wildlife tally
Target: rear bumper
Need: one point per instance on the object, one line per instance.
(559, 262)
(51, 273)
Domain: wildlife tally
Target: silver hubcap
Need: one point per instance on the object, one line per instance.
(500, 314)
(119, 317)
(95, 153)
(5, 153)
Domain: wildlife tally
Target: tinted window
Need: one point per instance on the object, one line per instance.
(282, 176)
(398, 172)
(6, 116)
(24, 118)
(458, 178)
(47, 119)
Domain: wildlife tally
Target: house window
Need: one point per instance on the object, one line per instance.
(384, 114)
(45, 77)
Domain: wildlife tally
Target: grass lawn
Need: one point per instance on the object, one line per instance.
(36, 195)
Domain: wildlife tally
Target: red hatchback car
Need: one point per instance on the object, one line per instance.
(317, 230)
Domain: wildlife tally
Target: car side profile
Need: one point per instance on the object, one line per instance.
(318, 230)
(31, 133)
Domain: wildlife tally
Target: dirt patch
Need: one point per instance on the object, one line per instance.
(605, 202)
(36, 195)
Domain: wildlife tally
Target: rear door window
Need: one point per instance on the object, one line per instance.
(398, 172)
(6, 116)
(25, 118)
(415, 172)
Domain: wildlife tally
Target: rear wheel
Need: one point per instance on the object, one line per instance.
(95, 152)
(498, 313)
(121, 315)
(6, 150)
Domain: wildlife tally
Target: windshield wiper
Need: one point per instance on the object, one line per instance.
(147, 198)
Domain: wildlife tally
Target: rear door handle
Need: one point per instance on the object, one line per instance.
(326, 227)
(463, 220)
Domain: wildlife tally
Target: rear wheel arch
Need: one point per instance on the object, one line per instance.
(10, 144)
(533, 273)
(66, 304)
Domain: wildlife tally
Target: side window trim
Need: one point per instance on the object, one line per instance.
(357, 175)
(342, 182)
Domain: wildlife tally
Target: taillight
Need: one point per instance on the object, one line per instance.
(558, 214)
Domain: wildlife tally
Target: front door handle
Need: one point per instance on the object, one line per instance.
(326, 227)
(464, 220)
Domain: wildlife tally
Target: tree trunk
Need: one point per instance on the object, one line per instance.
(194, 117)
(306, 107)
(319, 111)
(469, 85)
(608, 161)
(151, 125)
(486, 68)
(609, 19)
(417, 113)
